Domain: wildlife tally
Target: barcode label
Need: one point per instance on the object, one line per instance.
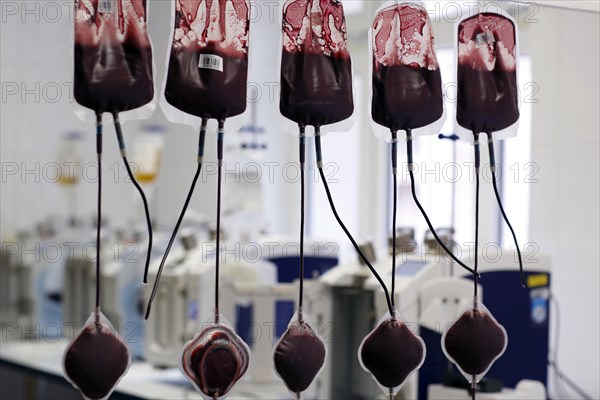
(210, 61)
(105, 6)
(485, 38)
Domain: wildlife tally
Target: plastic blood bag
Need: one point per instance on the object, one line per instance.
(316, 70)
(391, 352)
(208, 63)
(113, 55)
(299, 354)
(406, 79)
(487, 93)
(97, 359)
(474, 342)
(215, 359)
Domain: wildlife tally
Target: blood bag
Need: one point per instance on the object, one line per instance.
(113, 66)
(207, 67)
(97, 359)
(299, 355)
(474, 342)
(391, 352)
(316, 69)
(215, 359)
(406, 83)
(487, 89)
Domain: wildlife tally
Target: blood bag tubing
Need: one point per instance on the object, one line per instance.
(95, 317)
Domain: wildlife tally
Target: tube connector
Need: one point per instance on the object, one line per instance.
(220, 136)
(409, 151)
(119, 135)
(98, 133)
(477, 152)
(318, 147)
(201, 141)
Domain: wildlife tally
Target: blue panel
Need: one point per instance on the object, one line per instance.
(288, 269)
(410, 268)
(526, 356)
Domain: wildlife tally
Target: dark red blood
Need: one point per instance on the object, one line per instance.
(391, 352)
(96, 360)
(299, 356)
(406, 97)
(315, 89)
(203, 92)
(474, 341)
(217, 363)
(113, 77)
(486, 101)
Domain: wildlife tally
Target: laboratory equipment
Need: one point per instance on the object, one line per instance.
(147, 156)
(177, 302)
(38, 267)
(11, 288)
(70, 162)
(186, 293)
(79, 279)
(320, 255)
(123, 291)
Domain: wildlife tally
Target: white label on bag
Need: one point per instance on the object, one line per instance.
(210, 61)
(485, 38)
(105, 6)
